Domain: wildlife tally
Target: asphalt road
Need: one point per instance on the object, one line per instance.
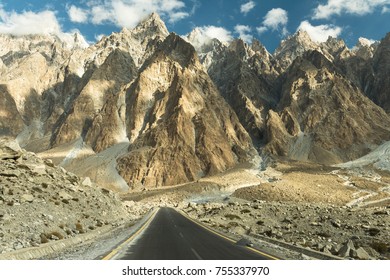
(171, 236)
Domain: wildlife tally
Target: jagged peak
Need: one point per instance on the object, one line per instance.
(152, 24)
(364, 42)
(257, 46)
(300, 39)
(303, 34)
(242, 49)
(179, 50)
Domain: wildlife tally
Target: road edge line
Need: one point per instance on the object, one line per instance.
(134, 235)
(226, 237)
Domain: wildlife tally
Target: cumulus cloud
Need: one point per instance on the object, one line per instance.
(215, 32)
(243, 32)
(247, 7)
(354, 7)
(128, 13)
(385, 10)
(28, 22)
(320, 33)
(275, 20)
(41, 23)
(203, 35)
(77, 14)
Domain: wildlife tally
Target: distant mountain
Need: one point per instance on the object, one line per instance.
(145, 108)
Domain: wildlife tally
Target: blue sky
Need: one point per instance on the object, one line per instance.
(267, 20)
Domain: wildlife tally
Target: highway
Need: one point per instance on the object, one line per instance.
(169, 235)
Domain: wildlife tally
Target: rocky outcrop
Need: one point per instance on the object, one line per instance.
(179, 127)
(41, 203)
(97, 104)
(294, 46)
(11, 123)
(380, 90)
(245, 75)
(322, 117)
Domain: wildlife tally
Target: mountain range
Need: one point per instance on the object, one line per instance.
(145, 108)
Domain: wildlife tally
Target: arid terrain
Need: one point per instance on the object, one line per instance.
(292, 145)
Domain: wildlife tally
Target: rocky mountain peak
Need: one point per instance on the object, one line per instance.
(294, 46)
(241, 48)
(365, 48)
(257, 46)
(179, 50)
(152, 26)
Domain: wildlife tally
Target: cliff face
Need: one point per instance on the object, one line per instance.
(380, 90)
(179, 127)
(322, 117)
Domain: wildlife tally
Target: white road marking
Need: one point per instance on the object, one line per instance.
(196, 254)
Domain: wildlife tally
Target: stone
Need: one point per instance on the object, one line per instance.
(27, 198)
(49, 163)
(9, 149)
(87, 182)
(10, 173)
(336, 223)
(373, 231)
(64, 195)
(345, 250)
(360, 254)
(39, 169)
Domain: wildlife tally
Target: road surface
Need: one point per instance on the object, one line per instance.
(171, 236)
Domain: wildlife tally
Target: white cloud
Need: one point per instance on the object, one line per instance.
(244, 32)
(203, 35)
(261, 29)
(101, 15)
(219, 33)
(77, 14)
(128, 13)
(26, 23)
(385, 10)
(275, 19)
(247, 7)
(354, 7)
(320, 33)
(41, 23)
(178, 16)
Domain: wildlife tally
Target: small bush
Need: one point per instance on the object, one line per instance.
(79, 227)
(233, 224)
(380, 247)
(232, 217)
(44, 238)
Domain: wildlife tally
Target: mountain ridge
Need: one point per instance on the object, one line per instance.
(215, 102)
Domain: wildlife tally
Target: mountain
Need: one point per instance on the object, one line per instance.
(293, 47)
(146, 108)
(380, 89)
(245, 75)
(179, 127)
(322, 116)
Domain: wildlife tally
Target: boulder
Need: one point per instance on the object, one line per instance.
(360, 254)
(27, 198)
(87, 182)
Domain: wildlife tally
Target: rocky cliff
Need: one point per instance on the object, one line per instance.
(179, 127)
